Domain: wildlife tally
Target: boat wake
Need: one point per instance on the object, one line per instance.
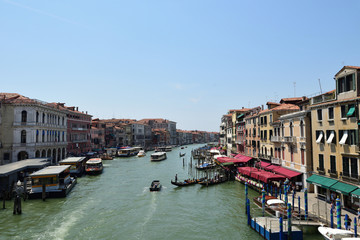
(148, 216)
(60, 227)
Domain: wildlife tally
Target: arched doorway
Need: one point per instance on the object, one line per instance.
(54, 156)
(23, 155)
(43, 154)
(37, 154)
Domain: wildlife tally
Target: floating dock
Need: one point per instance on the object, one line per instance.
(269, 228)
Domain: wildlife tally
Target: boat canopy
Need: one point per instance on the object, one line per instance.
(72, 160)
(274, 201)
(51, 170)
(243, 157)
(286, 172)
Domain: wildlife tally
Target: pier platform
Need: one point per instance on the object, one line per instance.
(269, 228)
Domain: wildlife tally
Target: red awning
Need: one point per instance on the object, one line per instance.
(243, 157)
(266, 176)
(264, 164)
(286, 172)
(247, 170)
(271, 167)
(233, 160)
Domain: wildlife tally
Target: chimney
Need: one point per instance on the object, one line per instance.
(262, 107)
(77, 108)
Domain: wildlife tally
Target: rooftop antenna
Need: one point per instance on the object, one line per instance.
(320, 86)
(294, 89)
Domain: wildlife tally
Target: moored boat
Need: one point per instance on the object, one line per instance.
(158, 156)
(181, 154)
(94, 166)
(53, 181)
(76, 165)
(205, 166)
(155, 186)
(106, 157)
(209, 182)
(335, 234)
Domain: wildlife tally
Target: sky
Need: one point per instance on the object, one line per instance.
(188, 61)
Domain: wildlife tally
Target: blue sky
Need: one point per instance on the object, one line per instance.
(187, 60)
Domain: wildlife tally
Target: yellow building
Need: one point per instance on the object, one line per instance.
(334, 120)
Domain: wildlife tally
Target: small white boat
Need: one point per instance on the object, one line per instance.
(158, 156)
(141, 153)
(335, 234)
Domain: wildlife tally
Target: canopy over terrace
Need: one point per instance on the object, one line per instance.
(261, 175)
(243, 157)
(232, 160)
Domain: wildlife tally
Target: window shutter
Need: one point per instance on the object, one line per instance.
(353, 80)
(356, 137)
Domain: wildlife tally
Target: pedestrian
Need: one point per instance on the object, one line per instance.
(348, 226)
(358, 215)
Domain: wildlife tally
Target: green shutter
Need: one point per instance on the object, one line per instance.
(353, 79)
(351, 111)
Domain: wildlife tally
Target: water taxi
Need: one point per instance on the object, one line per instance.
(127, 152)
(94, 166)
(158, 156)
(55, 181)
(335, 234)
(76, 165)
(141, 153)
(155, 186)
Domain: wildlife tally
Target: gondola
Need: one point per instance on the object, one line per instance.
(187, 182)
(182, 154)
(205, 166)
(212, 181)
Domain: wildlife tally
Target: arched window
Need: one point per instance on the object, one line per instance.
(37, 116)
(291, 129)
(282, 130)
(23, 136)
(24, 116)
(43, 118)
(302, 129)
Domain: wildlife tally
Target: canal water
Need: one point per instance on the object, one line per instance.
(118, 205)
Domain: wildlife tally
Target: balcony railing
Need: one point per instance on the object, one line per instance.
(289, 139)
(275, 139)
(276, 161)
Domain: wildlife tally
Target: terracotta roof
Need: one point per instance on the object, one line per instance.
(286, 107)
(345, 67)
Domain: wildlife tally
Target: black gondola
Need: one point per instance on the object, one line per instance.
(187, 182)
(212, 181)
(155, 186)
(182, 154)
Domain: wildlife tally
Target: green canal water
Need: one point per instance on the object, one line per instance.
(118, 205)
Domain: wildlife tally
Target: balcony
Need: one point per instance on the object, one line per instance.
(333, 173)
(276, 161)
(321, 171)
(275, 139)
(289, 139)
(263, 156)
(345, 176)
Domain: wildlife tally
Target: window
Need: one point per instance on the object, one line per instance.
(331, 113)
(302, 129)
(265, 120)
(346, 167)
(320, 136)
(321, 162)
(37, 116)
(265, 135)
(354, 167)
(331, 138)
(23, 136)
(24, 116)
(291, 154)
(346, 83)
(37, 135)
(270, 118)
(319, 114)
(291, 129)
(332, 164)
(349, 137)
(302, 156)
(348, 111)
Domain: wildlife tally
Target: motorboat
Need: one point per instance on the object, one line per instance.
(94, 166)
(335, 234)
(141, 153)
(158, 156)
(76, 165)
(155, 186)
(205, 166)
